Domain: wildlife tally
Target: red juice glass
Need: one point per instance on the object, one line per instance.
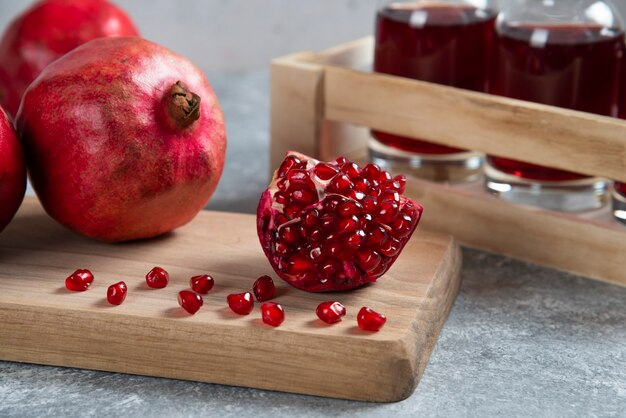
(562, 54)
(444, 42)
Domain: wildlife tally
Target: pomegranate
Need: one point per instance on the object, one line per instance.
(12, 171)
(48, 30)
(333, 226)
(118, 143)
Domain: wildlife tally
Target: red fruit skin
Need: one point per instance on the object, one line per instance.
(370, 320)
(330, 312)
(106, 157)
(48, 30)
(367, 262)
(116, 293)
(240, 303)
(12, 171)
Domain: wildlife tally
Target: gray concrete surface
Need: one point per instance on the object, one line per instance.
(521, 340)
(239, 35)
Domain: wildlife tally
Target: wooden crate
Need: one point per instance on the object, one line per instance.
(323, 104)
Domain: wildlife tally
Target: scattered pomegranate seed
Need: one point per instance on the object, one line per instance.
(157, 278)
(116, 293)
(202, 284)
(190, 301)
(240, 303)
(264, 288)
(330, 311)
(370, 320)
(79, 281)
(272, 313)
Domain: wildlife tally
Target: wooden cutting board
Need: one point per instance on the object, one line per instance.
(149, 334)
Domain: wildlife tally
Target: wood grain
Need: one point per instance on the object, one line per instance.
(296, 107)
(41, 322)
(540, 134)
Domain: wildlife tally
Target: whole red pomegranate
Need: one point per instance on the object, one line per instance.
(12, 171)
(45, 32)
(124, 139)
(334, 226)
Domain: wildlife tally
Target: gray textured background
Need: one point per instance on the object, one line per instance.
(521, 340)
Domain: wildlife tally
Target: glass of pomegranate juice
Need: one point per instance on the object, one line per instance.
(445, 42)
(559, 53)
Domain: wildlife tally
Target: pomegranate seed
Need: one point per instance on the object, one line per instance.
(368, 260)
(348, 224)
(324, 171)
(290, 234)
(157, 278)
(370, 320)
(341, 160)
(190, 301)
(350, 169)
(371, 172)
(289, 163)
(240, 303)
(349, 208)
(202, 284)
(310, 218)
(116, 293)
(378, 235)
(391, 247)
(329, 267)
(340, 182)
(330, 311)
(387, 211)
(361, 184)
(401, 180)
(79, 281)
(298, 177)
(355, 239)
(303, 197)
(272, 314)
(280, 197)
(264, 288)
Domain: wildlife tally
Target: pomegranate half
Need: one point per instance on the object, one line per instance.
(333, 226)
(124, 139)
(48, 30)
(12, 171)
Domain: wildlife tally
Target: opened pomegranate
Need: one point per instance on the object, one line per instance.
(333, 226)
(12, 171)
(45, 32)
(124, 139)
